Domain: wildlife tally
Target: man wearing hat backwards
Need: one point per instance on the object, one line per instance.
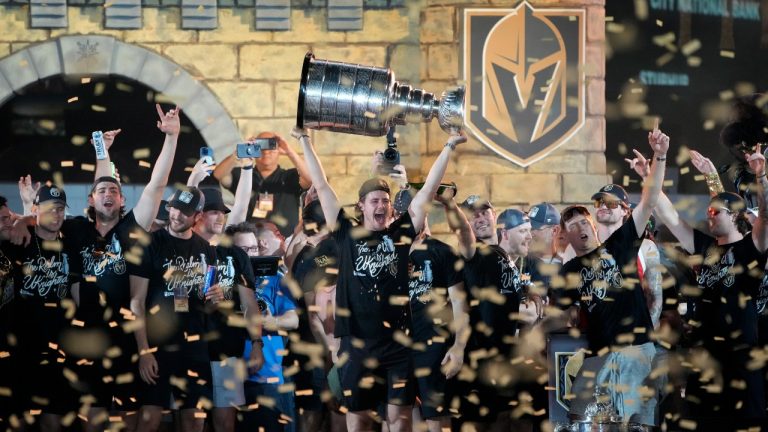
(612, 210)
(168, 296)
(372, 291)
(601, 284)
(43, 273)
(235, 283)
(728, 392)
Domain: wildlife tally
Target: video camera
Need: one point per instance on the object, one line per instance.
(391, 155)
(253, 150)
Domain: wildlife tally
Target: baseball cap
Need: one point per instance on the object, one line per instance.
(162, 212)
(570, 212)
(729, 200)
(475, 202)
(511, 218)
(188, 201)
(214, 200)
(50, 193)
(313, 213)
(543, 214)
(372, 185)
(613, 191)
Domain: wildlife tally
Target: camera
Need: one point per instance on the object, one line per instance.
(253, 150)
(391, 156)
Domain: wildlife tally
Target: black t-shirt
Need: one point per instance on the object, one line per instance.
(104, 264)
(43, 273)
(177, 265)
(284, 185)
(541, 271)
(233, 268)
(373, 269)
(7, 296)
(606, 284)
(432, 271)
(317, 266)
(762, 311)
(495, 288)
(729, 278)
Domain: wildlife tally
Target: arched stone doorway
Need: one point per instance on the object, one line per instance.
(91, 55)
(100, 57)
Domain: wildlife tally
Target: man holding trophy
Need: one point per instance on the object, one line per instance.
(372, 288)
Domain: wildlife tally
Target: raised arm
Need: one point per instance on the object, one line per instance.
(27, 191)
(665, 211)
(199, 173)
(239, 211)
(283, 148)
(146, 209)
(419, 205)
(458, 223)
(224, 169)
(759, 232)
(659, 143)
(707, 168)
(328, 199)
(104, 166)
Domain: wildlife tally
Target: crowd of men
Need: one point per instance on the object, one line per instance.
(287, 311)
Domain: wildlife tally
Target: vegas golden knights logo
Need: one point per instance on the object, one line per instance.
(525, 83)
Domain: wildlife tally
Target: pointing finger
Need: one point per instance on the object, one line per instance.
(159, 111)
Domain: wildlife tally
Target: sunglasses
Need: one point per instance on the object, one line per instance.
(609, 204)
(714, 211)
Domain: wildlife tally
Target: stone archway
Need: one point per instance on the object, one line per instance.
(91, 55)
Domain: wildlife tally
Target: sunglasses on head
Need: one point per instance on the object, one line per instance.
(714, 211)
(610, 204)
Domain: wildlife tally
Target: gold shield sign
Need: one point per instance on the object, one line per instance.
(525, 83)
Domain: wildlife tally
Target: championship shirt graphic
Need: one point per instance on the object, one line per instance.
(525, 83)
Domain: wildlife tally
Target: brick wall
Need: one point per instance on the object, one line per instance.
(254, 75)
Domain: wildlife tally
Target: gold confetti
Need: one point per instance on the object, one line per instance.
(65, 164)
(72, 99)
(727, 54)
(659, 23)
(145, 164)
(88, 167)
(155, 309)
(98, 108)
(141, 153)
(85, 80)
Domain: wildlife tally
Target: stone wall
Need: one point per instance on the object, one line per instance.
(254, 76)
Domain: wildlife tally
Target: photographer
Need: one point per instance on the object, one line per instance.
(276, 191)
(279, 314)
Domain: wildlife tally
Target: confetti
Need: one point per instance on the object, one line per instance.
(73, 99)
(85, 80)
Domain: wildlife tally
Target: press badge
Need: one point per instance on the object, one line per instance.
(180, 299)
(266, 201)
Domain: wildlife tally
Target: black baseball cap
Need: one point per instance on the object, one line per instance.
(475, 202)
(50, 193)
(214, 200)
(372, 185)
(511, 218)
(543, 214)
(729, 200)
(612, 191)
(188, 201)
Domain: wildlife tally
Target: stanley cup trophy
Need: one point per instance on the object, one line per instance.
(366, 100)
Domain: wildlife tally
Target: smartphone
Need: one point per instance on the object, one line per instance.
(267, 143)
(265, 265)
(248, 150)
(206, 154)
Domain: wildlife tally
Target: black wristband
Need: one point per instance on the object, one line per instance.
(661, 159)
(247, 167)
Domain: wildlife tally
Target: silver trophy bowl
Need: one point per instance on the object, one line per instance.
(366, 100)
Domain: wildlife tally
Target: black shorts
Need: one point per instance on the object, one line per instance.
(376, 370)
(175, 382)
(314, 380)
(114, 382)
(40, 382)
(431, 386)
